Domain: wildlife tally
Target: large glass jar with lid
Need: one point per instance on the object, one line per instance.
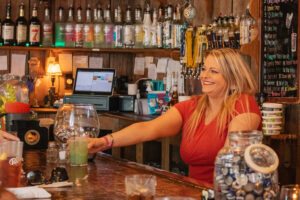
(246, 168)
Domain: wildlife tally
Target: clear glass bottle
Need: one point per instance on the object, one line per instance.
(128, 41)
(79, 29)
(70, 29)
(63, 154)
(52, 153)
(147, 25)
(237, 31)
(232, 42)
(138, 28)
(167, 34)
(160, 28)
(88, 29)
(8, 28)
(219, 32)
(108, 29)
(21, 28)
(176, 28)
(47, 29)
(60, 29)
(34, 28)
(225, 28)
(98, 28)
(154, 30)
(246, 169)
(118, 28)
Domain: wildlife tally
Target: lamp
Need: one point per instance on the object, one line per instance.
(53, 70)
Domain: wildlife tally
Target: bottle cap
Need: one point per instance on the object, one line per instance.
(261, 158)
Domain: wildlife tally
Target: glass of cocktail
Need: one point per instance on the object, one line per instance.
(78, 150)
(11, 163)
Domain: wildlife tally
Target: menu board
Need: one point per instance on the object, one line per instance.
(279, 48)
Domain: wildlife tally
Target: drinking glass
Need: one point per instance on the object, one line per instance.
(140, 186)
(11, 163)
(75, 123)
(290, 192)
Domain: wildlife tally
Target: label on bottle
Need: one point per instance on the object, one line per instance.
(69, 37)
(88, 33)
(8, 32)
(98, 33)
(118, 35)
(128, 35)
(21, 35)
(139, 34)
(167, 34)
(34, 33)
(108, 33)
(159, 35)
(78, 35)
(176, 36)
(293, 42)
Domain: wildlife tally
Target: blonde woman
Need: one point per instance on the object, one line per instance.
(227, 104)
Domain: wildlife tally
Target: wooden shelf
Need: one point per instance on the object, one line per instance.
(172, 53)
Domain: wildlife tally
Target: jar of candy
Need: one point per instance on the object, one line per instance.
(246, 168)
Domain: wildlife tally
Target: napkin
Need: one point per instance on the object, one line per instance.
(57, 184)
(29, 192)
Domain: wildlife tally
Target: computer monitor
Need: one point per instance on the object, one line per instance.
(94, 81)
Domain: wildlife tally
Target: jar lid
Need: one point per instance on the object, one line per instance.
(272, 105)
(261, 158)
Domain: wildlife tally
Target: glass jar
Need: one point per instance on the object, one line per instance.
(63, 154)
(52, 153)
(246, 168)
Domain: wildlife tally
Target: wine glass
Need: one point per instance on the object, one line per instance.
(290, 192)
(76, 120)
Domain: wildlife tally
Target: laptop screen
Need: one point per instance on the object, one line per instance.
(94, 81)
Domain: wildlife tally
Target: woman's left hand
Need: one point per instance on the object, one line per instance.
(4, 136)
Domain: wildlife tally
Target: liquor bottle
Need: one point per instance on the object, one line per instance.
(47, 29)
(21, 28)
(34, 28)
(147, 24)
(88, 29)
(8, 28)
(98, 28)
(293, 43)
(173, 91)
(167, 34)
(79, 29)
(154, 30)
(232, 42)
(138, 29)
(176, 28)
(1, 33)
(128, 30)
(118, 28)
(219, 33)
(225, 28)
(60, 29)
(237, 31)
(108, 29)
(160, 28)
(70, 29)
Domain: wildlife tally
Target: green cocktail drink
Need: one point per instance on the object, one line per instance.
(78, 151)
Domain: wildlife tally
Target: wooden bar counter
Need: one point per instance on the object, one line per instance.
(106, 177)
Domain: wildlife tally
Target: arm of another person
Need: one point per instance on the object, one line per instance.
(166, 125)
(4, 136)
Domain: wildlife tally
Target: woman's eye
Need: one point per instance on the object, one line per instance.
(202, 68)
(214, 71)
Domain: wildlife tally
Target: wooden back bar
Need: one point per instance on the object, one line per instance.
(106, 178)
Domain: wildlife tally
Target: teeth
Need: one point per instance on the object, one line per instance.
(208, 83)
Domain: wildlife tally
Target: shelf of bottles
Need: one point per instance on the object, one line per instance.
(159, 34)
(279, 48)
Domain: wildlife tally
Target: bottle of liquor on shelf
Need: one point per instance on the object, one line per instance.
(60, 29)
(1, 33)
(47, 29)
(173, 90)
(231, 30)
(108, 29)
(176, 28)
(98, 28)
(88, 29)
(128, 30)
(79, 29)
(138, 29)
(219, 33)
(118, 28)
(34, 28)
(242, 30)
(246, 24)
(237, 31)
(167, 35)
(21, 28)
(154, 30)
(8, 27)
(147, 24)
(70, 29)
(160, 27)
(225, 27)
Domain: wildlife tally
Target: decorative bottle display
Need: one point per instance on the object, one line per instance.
(34, 28)
(88, 29)
(8, 27)
(167, 33)
(98, 28)
(118, 28)
(160, 28)
(21, 28)
(153, 30)
(176, 28)
(47, 29)
(128, 30)
(147, 24)
(108, 29)
(60, 29)
(70, 29)
(79, 29)
(139, 30)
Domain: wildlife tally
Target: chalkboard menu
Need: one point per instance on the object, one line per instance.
(279, 48)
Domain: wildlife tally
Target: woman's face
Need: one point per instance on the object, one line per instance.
(213, 82)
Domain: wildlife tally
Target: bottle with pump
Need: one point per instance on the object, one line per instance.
(8, 28)
(60, 29)
(21, 28)
(47, 29)
(34, 28)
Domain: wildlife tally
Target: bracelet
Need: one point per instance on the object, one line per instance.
(108, 143)
(111, 140)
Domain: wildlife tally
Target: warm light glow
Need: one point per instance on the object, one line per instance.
(294, 196)
(54, 69)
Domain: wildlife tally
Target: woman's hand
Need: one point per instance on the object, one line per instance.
(96, 144)
(4, 136)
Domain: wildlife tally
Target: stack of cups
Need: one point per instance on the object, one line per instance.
(272, 115)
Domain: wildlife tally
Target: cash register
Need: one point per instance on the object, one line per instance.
(93, 86)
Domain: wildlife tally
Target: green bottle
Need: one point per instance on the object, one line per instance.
(60, 29)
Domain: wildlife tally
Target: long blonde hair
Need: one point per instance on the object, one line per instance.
(239, 80)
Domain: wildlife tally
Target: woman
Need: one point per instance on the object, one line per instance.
(226, 105)
(4, 136)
